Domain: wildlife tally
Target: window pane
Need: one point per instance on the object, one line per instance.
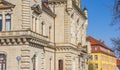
(0, 17)
(96, 57)
(8, 16)
(8, 22)
(0, 22)
(8, 25)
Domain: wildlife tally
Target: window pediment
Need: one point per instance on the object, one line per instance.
(6, 5)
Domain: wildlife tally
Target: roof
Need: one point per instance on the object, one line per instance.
(118, 63)
(97, 42)
(100, 43)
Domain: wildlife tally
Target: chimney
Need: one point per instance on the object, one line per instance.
(101, 41)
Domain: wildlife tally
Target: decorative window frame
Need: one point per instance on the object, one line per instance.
(5, 8)
(4, 53)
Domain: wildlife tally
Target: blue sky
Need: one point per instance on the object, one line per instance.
(100, 18)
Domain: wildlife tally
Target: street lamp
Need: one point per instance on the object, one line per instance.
(18, 59)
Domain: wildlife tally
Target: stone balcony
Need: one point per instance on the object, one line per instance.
(22, 36)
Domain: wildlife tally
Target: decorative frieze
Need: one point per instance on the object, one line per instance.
(22, 37)
(12, 41)
(63, 49)
(67, 26)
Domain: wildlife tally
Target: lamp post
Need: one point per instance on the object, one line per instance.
(18, 59)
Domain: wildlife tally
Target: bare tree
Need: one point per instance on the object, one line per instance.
(116, 12)
(116, 48)
(116, 21)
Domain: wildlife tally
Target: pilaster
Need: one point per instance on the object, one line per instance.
(25, 14)
(68, 62)
(25, 58)
(66, 27)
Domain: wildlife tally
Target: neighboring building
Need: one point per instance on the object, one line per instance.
(118, 64)
(102, 58)
(43, 35)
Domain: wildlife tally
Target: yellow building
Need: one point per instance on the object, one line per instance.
(102, 58)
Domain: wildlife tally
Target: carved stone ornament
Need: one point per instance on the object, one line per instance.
(36, 8)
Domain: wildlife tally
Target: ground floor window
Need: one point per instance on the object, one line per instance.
(2, 62)
(60, 64)
(96, 66)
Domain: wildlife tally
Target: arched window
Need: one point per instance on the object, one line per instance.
(42, 25)
(2, 62)
(34, 62)
(49, 32)
(60, 63)
(50, 63)
(43, 28)
(34, 22)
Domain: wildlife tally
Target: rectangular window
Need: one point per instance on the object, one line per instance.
(35, 24)
(2, 62)
(96, 57)
(0, 22)
(60, 64)
(8, 22)
(96, 66)
(91, 57)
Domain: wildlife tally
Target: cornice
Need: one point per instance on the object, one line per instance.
(65, 1)
(57, 1)
(70, 47)
(22, 37)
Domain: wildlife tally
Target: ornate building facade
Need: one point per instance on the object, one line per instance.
(43, 35)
